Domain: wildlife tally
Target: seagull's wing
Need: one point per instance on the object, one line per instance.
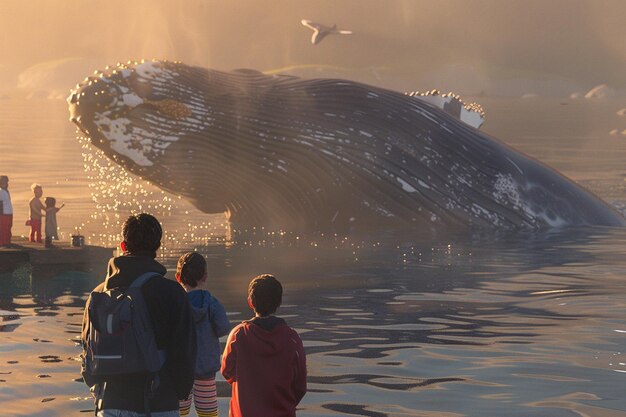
(320, 31)
(309, 24)
(317, 36)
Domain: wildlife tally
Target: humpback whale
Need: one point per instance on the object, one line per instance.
(294, 154)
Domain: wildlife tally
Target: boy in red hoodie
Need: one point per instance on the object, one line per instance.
(264, 359)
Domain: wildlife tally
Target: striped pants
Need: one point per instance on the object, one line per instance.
(204, 395)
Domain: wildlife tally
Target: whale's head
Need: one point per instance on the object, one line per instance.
(137, 113)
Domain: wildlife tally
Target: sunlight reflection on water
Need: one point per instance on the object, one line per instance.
(508, 331)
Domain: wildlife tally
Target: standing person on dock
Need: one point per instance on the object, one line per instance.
(35, 213)
(6, 212)
(211, 323)
(51, 220)
(170, 332)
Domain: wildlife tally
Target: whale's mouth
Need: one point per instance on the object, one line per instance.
(84, 102)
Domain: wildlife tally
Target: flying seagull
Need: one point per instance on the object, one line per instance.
(320, 31)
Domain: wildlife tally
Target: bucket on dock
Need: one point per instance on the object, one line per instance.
(78, 241)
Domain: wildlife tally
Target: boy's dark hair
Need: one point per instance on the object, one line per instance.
(191, 268)
(265, 293)
(50, 201)
(142, 234)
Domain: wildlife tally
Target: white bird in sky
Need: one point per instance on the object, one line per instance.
(320, 31)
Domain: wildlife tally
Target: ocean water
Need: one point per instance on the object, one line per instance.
(491, 324)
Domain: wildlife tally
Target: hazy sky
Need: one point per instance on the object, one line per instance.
(497, 46)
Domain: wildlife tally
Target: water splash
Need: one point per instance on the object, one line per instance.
(118, 194)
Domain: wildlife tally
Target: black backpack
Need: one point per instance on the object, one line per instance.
(120, 338)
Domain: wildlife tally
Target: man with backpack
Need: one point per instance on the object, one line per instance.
(138, 338)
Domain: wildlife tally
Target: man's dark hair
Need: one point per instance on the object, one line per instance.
(191, 268)
(265, 294)
(142, 234)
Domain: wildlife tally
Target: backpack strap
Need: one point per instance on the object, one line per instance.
(138, 282)
(143, 278)
(152, 381)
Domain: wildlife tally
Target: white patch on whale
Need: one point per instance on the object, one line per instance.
(471, 114)
(552, 221)
(118, 132)
(149, 70)
(132, 100)
(472, 118)
(506, 190)
(406, 186)
(130, 141)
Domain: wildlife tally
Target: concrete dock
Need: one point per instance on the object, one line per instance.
(22, 252)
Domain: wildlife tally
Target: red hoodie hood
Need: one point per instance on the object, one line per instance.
(270, 335)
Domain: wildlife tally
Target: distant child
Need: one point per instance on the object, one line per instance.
(264, 359)
(51, 219)
(35, 208)
(211, 323)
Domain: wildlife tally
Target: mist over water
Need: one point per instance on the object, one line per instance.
(487, 46)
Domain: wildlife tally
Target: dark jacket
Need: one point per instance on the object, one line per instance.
(264, 361)
(174, 332)
(211, 323)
